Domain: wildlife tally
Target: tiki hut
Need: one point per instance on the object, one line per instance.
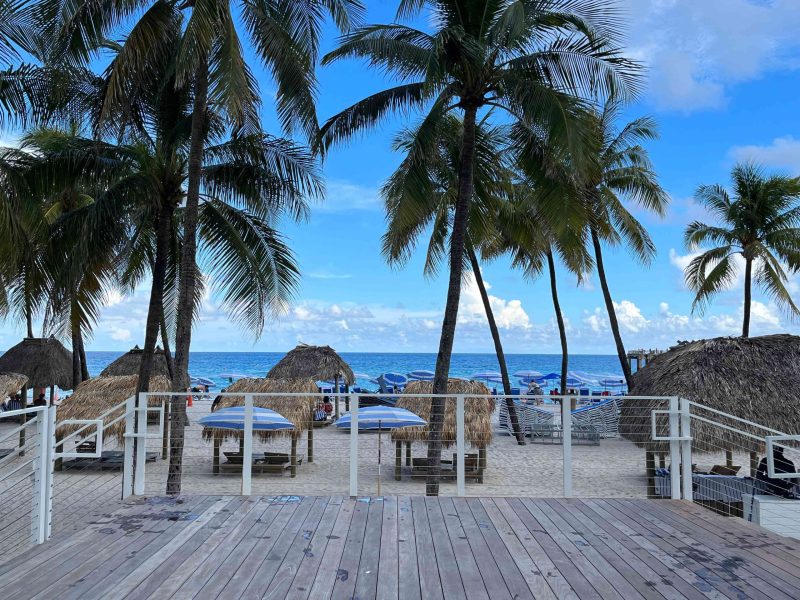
(320, 363)
(97, 396)
(129, 363)
(752, 378)
(44, 361)
(478, 409)
(297, 409)
(11, 383)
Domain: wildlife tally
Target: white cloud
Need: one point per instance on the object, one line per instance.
(630, 316)
(782, 153)
(508, 314)
(696, 50)
(345, 195)
(328, 275)
(119, 334)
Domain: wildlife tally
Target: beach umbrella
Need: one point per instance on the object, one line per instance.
(264, 419)
(382, 417)
(362, 376)
(231, 376)
(390, 379)
(130, 362)
(485, 375)
(612, 382)
(528, 374)
(204, 381)
(421, 375)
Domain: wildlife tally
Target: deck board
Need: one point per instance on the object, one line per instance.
(408, 547)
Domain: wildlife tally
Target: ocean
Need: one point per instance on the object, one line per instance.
(256, 364)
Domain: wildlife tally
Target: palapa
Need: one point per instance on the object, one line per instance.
(320, 363)
(129, 363)
(94, 397)
(752, 378)
(44, 361)
(11, 383)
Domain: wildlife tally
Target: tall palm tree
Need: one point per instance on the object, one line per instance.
(421, 197)
(760, 223)
(527, 58)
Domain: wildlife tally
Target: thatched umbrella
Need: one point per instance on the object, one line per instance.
(752, 378)
(478, 409)
(315, 362)
(96, 396)
(297, 409)
(129, 363)
(11, 383)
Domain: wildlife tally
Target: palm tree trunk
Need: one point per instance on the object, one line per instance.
(748, 281)
(612, 314)
(76, 351)
(562, 330)
(498, 347)
(82, 352)
(188, 280)
(441, 374)
(28, 315)
(165, 344)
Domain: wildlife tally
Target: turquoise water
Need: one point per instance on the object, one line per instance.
(256, 364)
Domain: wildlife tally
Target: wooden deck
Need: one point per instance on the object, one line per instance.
(407, 547)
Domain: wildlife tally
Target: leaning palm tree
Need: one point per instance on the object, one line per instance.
(760, 223)
(528, 58)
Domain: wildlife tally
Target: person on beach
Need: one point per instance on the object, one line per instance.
(777, 486)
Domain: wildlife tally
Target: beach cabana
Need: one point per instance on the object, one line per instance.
(297, 409)
(478, 409)
(10, 384)
(129, 363)
(320, 363)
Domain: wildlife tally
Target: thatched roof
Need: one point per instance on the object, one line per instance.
(752, 378)
(95, 396)
(11, 383)
(477, 413)
(44, 361)
(128, 364)
(315, 362)
(297, 409)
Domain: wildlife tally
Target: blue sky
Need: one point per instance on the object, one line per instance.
(724, 85)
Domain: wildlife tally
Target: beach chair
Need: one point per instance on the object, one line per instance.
(604, 417)
(540, 424)
(505, 421)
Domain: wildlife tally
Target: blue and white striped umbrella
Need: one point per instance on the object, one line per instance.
(485, 375)
(528, 374)
(264, 419)
(421, 375)
(202, 381)
(383, 417)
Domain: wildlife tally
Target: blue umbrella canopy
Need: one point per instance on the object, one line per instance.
(421, 375)
(383, 417)
(264, 419)
(362, 376)
(548, 377)
(202, 381)
(485, 375)
(527, 373)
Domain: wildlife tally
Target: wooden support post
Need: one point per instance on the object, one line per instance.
(753, 464)
(729, 458)
(650, 471)
(481, 463)
(336, 398)
(23, 419)
(165, 434)
(398, 460)
(311, 441)
(408, 454)
(294, 457)
(215, 460)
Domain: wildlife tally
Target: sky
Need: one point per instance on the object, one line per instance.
(723, 82)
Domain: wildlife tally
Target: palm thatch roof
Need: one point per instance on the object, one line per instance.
(94, 397)
(297, 409)
(128, 364)
(11, 383)
(315, 362)
(477, 413)
(44, 361)
(752, 378)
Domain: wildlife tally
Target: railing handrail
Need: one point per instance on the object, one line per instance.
(345, 395)
(729, 416)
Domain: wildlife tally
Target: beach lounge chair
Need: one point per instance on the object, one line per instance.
(604, 417)
(505, 422)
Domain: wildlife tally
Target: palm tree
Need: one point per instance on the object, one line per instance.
(421, 197)
(527, 58)
(760, 223)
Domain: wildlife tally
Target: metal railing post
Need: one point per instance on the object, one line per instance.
(247, 448)
(127, 464)
(40, 483)
(686, 449)
(140, 444)
(460, 475)
(674, 448)
(50, 452)
(566, 438)
(354, 446)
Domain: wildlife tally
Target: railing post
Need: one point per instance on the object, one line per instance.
(566, 438)
(127, 462)
(674, 448)
(140, 444)
(686, 449)
(39, 515)
(51, 414)
(247, 451)
(354, 446)
(460, 474)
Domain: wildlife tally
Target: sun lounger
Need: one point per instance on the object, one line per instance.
(604, 417)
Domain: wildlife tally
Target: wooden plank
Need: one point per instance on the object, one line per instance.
(346, 575)
(408, 580)
(271, 521)
(314, 551)
(388, 565)
(449, 574)
(571, 533)
(478, 582)
(276, 581)
(541, 574)
(494, 560)
(328, 571)
(429, 583)
(367, 575)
